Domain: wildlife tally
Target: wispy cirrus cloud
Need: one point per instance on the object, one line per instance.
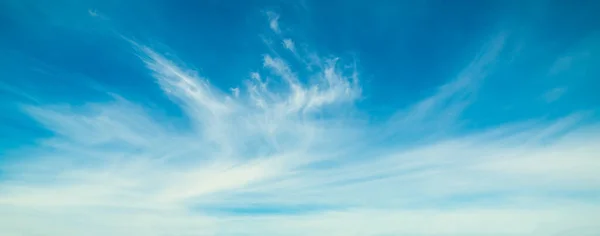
(264, 159)
(289, 44)
(93, 12)
(553, 94)
(273, 21)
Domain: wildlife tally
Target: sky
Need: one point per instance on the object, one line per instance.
(305, 117)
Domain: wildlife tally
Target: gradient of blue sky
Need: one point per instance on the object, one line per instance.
(299, 117)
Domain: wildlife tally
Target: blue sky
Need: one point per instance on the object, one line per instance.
(299, 117)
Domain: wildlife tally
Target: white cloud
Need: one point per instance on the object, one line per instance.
(274, 21)
(96, 14)
(235, 91)
(117, 168)
(441, 110)
(93, 12)
(553, 94)
(289, 45)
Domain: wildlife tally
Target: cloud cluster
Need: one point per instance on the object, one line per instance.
(279, 156)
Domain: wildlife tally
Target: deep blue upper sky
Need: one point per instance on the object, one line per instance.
(406, 49)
